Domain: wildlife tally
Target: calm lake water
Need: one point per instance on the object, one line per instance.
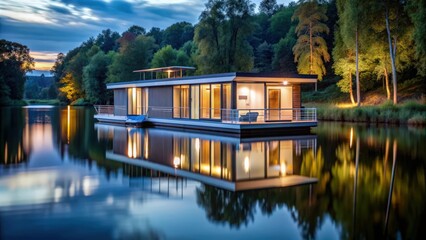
(63, 176)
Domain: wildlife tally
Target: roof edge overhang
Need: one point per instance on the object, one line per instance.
(218, 78)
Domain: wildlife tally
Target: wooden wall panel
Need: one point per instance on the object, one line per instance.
(296, 96)
(120, 102)
(160, 102)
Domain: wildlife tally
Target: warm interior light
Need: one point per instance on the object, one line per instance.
(197, 144)
(285, 82)
(246, 164)
(176, 162)
(283, 169)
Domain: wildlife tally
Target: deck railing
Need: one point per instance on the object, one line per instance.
(239, 116)
(110, 110)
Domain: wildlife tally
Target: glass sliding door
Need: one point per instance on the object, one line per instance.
(184, 101)
(176, 101)
(205, 101)
(145, 101)
(195, 102)
(226, 102)
(181, 101)
(215, 101)
(134, 101)
(274, 104)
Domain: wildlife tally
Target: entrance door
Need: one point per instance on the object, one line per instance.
(274, 104)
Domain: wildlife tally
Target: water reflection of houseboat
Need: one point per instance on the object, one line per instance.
(243, 104)
(230, 163)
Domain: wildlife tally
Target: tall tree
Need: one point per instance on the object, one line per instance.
(15, 62)
(268, 7)
(94, 77)
(310, 51)
(281, 23)
(417, 11)
(177, 34)
(107, 40)
(164, 57)
(396, 22)
(263, 59)
(350, 19)
(157, 34)
(283, 59)
(221, 36)
(137, 55)
(58, 67)
(68, 88)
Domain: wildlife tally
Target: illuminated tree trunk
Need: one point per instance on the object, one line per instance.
(358, 93)
(388, 93)
(351, 92)
(392, 50)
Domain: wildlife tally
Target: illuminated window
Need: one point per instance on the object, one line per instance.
(134, 101)
(181, 101)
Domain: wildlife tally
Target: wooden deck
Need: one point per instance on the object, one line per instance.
(239, 129)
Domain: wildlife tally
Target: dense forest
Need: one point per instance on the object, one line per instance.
(354, 45)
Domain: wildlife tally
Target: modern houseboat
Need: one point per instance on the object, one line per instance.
(236, 103)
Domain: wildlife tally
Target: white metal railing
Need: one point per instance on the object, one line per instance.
(225, 115)
(110, 110)
(236, 115)
(269, 115)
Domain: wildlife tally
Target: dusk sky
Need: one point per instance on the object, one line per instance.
(48, 27)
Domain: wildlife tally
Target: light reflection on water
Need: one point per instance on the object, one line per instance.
(56, 180)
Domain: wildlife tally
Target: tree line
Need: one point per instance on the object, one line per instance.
(362, 42)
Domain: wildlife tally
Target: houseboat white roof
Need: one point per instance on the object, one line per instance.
(242, 77)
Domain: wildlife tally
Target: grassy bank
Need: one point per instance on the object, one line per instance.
(408, 113)
(43, 102)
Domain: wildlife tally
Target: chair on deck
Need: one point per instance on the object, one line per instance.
(249, 117)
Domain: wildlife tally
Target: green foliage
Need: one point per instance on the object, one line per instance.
(69, 89)
(310, 51)
(283, 55)
(94, 77)
(281, 23)
(177, 34)
(15, 62)
(417, 12)
(410, 113)
(166, 56)
(107, 40)
(157, 34)
(137, 55)
(80, 102)
(268, 7)
(221, 37)
(264, 55)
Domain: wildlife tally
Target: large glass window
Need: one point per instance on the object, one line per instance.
(215, 101)
(145, 101)
(226, 102)
(205, 101)
(184, 101)
(134, 101)
(181, 101)
(176, 101)
(195, 102)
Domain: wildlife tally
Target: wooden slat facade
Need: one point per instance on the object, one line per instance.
(296, 96)
(160, 102)
(120, 102)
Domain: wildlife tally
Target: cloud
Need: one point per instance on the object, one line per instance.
(61, 25)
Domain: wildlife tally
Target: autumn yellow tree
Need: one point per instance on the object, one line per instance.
(310, 51)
